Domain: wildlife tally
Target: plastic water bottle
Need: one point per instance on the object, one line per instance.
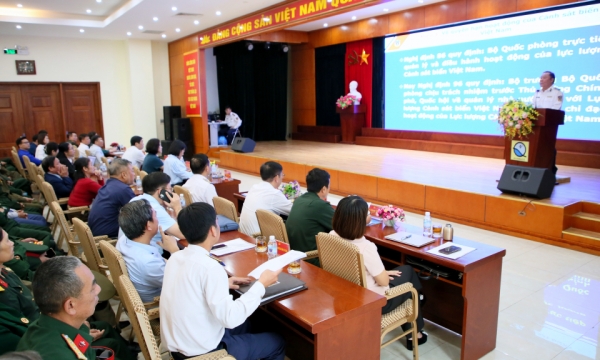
(104, 171)
(427, 224)
(138, 183)
(272, 247)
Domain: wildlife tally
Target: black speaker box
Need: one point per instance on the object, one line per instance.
(182, 129)
(244, 145)
(170, 113)
(535, 182)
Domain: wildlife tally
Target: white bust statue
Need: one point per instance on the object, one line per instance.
(353, 85)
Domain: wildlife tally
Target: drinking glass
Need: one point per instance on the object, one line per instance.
(437, 231)
(261, 244)
(294, 267)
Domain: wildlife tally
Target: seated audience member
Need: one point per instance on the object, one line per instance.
(23, 145)
(51, 149)
(34, 144)
(58, 176)
(40, 150)
(145, 265)
(84, 144)
(152, 185)
(350, 223)
(24, 218)
(66, 293)
(152, 162)
(311, 213)
(199, 185)
(134, 153)
(24, 231)
(196, 291)
(265, 195)
(174, 164)
(104, 214)
(72, 138)
(66, 156)
(97, 148)
(21, 355)
(88, 182)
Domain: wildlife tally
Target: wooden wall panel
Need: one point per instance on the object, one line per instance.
(227, 159)
(304, 99)
(176, 72)
(540, 218)
(455, 203)
(258, 161)
(283, 36)
(401, 193)
(11, 118)
(42, 109)
(351, 183)
(82, 109)
(320, 38)
(445, 13)
(486, 8)
(374, 27)
(293, 171)
(538, 4)
(406, 20)
(303, 62)
(345, 33)
(245, 163)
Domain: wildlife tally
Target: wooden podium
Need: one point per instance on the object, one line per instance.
(353, 120)
(537, 150)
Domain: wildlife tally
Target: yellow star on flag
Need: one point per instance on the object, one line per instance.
(363, 57)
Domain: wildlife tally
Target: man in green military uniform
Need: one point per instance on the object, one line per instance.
(22, 231)
(66, 293)
(310, 214)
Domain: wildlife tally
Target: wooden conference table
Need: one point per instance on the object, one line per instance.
(467, 302)
(332, 319)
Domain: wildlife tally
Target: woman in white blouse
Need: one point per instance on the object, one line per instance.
(175, 166)
(350, 222)
(40, 151)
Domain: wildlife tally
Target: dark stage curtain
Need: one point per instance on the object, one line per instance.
(378, 107)
(254, 84)
(329, 82)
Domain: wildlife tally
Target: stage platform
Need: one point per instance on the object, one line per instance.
(453, 187)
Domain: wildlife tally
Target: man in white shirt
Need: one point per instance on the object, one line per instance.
(135, 154)
(198, 314)
(265, 195)
(548, 97)
(233, 121)
(199, 185)
(96, 148)
(145, 265)
(84, 144)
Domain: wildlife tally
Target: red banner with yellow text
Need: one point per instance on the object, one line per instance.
(191, 82)
(284, 15)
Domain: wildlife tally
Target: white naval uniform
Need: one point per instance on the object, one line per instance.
(551, 98)
(233, 120)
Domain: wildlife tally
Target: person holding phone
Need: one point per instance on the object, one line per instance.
(158, 192)
(350, 222)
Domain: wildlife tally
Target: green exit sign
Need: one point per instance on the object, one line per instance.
(10, 51)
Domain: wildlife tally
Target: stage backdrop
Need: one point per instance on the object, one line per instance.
(359, 67)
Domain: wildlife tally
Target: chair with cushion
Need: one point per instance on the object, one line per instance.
(342, 258)
(18, 164)
(181, 191)
(136, 171)
(226, 208)
(88, 153)
(66, 229)
(143, 174)
(272, 224)
(143, 326)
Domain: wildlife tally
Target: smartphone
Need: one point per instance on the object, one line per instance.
(50, 253)
(450, 250)
(163, 195)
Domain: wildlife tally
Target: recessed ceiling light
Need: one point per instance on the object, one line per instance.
(18, 26)
(155, 18)
(421, 1)
(81, 30)
(19, 5)
(98, 1)
(178, 30)
(164, 35)
(385, 10)
(325, 25)
(218, 13)
(354, 18)
(129, 33)
(141, 27)
(196, 22)
(174, 8)
(344, 27)
(88, 11)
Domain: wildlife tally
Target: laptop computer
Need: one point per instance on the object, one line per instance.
(285, 285)
(410, 239)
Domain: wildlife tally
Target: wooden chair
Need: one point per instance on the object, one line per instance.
(143, 327)
(66, 229)
(105, 161)
(88, 153)
(226, 208)
(143, 174)
(136, 171)
(18, 164)
(31, 174)
(272, 224)
(187, 196)
(342, 258)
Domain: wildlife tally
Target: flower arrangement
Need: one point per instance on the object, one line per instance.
(345, 101)
(390, 214)
(291, 190)
(516, 118)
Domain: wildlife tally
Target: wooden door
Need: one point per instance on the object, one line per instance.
(11, 118)
(42, 110)
(82, 107)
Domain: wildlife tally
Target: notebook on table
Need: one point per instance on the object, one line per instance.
(286, 284)
(410, 239)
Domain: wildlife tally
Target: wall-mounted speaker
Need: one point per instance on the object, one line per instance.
(182, 129)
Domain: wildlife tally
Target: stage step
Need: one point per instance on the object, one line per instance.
(589, 238)
(215, 152)
(489, 151)
(333, 130)
(329, 138)
(586, 221)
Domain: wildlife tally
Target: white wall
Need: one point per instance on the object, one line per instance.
(212, 89)
(127, 102)
(162, 87)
